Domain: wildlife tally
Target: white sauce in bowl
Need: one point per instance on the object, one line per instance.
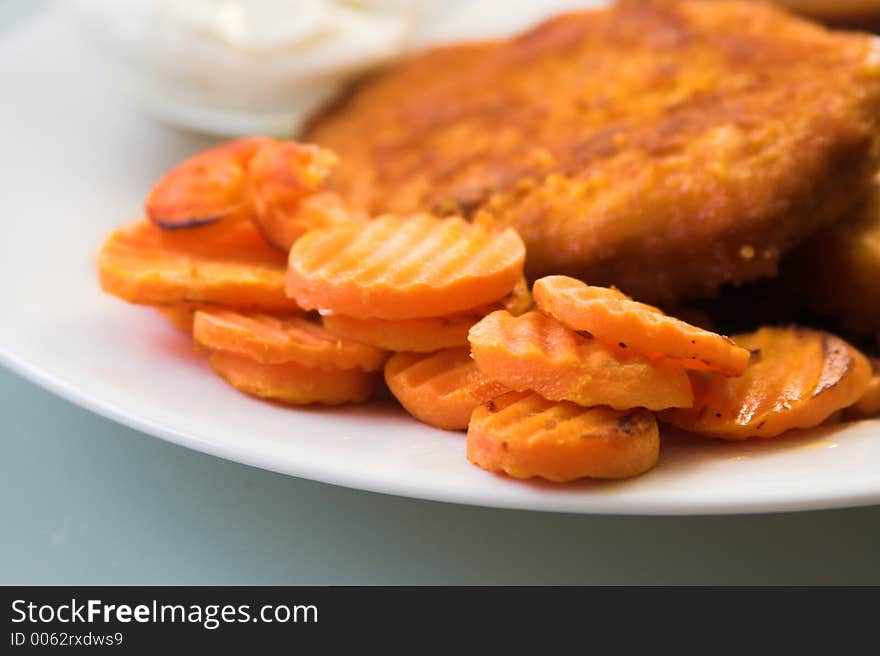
(236, 67)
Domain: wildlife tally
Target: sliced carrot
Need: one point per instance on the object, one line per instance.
(277, 184)
(180, 315)
(537, 352)
(275, 340)
(441, 389)
(209, 186)
(868, 404)
(291, 382)
(797, 378)
(397, 267)
(417, 335)
(429, 333)
(611, 316)
(524, 435)
(321, 210)
(286, 187)
(236, 267)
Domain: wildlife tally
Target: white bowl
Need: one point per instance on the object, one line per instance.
(239, 67)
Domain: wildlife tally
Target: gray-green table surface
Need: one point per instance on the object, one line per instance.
(86, 501)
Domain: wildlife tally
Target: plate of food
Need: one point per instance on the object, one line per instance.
(496, 272)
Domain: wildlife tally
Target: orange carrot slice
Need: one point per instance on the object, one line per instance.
(398, 267)
(209, 186)
(441, 389)
(286, 187)
(236, 267)
(416, 335)
(536, 352)
(291, 382)
(275, 340)
(868, 404)
(524, 435)
(279, 185)
(427, 334)
(181, 315)
(611, 316)
(798, 378)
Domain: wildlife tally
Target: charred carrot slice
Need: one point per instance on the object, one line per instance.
(275, 340)
(611, 316)
(236, 267)
(397, 267)
(286, 187)
(441, 389)
(279, 185)
(797, 378)
(205, 188)
(536, 352)
(427, 334)
(524, 435)
(868, 404)
(291, 382)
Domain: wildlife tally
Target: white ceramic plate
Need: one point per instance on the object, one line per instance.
(76, 161)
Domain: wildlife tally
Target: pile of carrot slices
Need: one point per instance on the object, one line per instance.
(298, 299)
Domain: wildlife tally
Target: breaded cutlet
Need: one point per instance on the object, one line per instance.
(664, 147)
(837, 271)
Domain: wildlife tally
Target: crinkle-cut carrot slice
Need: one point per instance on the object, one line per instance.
(524, 435)
(537, 352)
(868, 404)
(286, 186)
(275, 340)
(180, 315)
(321, 210)
(416, 335)
(142, 263)
(404, 267)
(279, 185)
(797, 378)
(440, 389)
(611, 316)
(429, 333)
(293, 383)
(209, 186)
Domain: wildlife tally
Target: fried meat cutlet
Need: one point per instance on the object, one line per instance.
(667, 148)
(837, 271)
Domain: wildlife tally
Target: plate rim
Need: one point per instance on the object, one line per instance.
(804, 502)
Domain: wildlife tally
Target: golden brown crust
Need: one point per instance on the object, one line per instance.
(667, 148)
